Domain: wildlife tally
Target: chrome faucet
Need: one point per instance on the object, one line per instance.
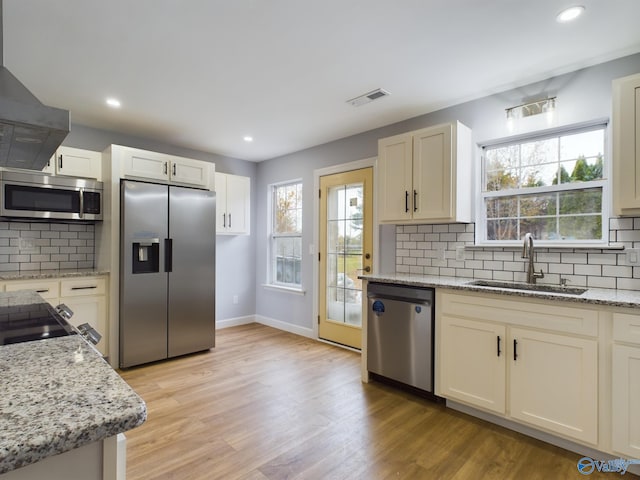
(528, 252)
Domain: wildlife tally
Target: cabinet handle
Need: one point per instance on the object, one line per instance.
(42, 290)
(498, 342)
(60, 161)
(406, 201)
(229, 220)
(174, 170)
(88, 287)
(224, 220)
(165, 168)
(415, 201)
(515, 349)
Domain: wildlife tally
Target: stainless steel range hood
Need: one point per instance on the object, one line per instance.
(30, 132)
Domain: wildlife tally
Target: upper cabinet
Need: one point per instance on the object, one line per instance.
(145, 165)
(75, 162)
(626, 145)
(425, 175)
(233, 195)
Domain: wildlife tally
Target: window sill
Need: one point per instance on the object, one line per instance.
(568, 246)
(280, 288)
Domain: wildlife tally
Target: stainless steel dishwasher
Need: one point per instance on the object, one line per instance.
(400, 334)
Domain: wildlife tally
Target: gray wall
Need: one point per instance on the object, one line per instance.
(235, 256)
(582, 96)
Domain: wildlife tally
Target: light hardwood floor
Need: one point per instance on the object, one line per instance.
(265, 404)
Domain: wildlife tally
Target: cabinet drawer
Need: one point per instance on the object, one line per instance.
(47, 289)
(626, 328)
(82, 286)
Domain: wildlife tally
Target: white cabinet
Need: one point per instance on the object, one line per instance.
(553, 382)
(473, 363)
(500, 355)
(145, 165)
(233, 202)
(626, 145)
(626, 385)
(75, 162)
(85, 296)
(425, 175)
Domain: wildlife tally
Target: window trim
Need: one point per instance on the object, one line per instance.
(604, 183)
(271, 282)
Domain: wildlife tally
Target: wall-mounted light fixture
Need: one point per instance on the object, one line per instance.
(537, 107)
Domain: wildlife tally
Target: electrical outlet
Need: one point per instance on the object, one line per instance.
(27, 245)
(235, 299)
(459, 253)
(632, 256)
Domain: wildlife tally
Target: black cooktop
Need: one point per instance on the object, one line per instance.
(35, 321)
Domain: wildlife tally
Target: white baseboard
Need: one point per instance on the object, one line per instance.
(232, 322)
(287, 327)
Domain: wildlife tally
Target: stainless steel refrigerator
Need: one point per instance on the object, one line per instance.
(167, 271)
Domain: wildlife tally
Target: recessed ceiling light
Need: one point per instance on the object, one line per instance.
(570, 13)
(113, 102)
(248, 138)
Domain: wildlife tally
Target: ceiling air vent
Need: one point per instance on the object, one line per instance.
(368, 97)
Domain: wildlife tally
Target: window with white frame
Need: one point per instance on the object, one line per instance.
(286, 235)
(553, 187)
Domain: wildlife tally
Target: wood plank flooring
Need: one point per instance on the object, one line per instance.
(266, 404)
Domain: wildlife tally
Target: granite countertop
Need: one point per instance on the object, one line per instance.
(58, 394)
(42, 274)
(598, 296)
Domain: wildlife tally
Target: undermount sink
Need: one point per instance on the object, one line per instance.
(528, 286)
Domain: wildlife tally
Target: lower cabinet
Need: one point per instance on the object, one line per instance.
(472, 363)
(553, 382)
(85, 296)
(625, 381)
(504, 357)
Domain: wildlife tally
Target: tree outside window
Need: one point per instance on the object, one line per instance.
(550, 187)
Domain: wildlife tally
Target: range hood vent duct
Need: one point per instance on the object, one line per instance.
(30, 132)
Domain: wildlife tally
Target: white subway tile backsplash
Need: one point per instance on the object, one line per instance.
(593, 267)
(57, 246)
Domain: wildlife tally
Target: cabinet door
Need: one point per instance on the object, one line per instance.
(91, 309)
(238, 204)
(145, 165)
(395, 192)
(75, 162)
(625, 400)
(553, 383)
(432, 174)
(221, 202)
(189, 172)
(626, 145)
(472, 362)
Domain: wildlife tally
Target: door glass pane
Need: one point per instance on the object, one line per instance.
(344, 253)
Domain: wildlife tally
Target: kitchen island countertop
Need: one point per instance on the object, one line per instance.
(58, 394)
(598, 296)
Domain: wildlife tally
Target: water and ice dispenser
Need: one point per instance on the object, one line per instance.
(146, 256)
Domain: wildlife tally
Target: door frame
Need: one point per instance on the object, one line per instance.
(314, 247)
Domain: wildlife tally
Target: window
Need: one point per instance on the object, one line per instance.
(286, 235)
(552, 187)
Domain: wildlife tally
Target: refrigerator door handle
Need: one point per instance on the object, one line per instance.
(168, 254)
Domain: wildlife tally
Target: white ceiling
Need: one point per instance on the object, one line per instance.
(204, 73)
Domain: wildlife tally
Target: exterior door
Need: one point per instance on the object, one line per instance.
(346, 244)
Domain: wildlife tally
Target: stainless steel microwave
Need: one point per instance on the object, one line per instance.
(41, 196)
